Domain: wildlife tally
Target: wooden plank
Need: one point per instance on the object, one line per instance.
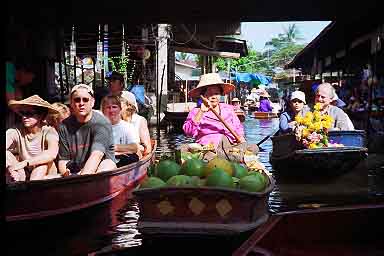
(234, 55)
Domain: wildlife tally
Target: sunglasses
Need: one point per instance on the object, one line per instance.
(296, 100)
(28, 113)
(78, 100)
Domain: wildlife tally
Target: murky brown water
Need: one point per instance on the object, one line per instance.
(111, 228)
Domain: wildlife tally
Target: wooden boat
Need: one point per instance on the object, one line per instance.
(354, 230)
(240, 115)
(201, 210)
(43, 198)
(176, 117)
(265, 115)
(289, 157)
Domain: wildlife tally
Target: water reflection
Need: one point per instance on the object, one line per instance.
(358, 186)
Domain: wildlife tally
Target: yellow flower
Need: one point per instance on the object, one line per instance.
(313, 145)
(316, 116)
(299, 119)
(318, 126)
(317, 106)
(309, 116)
(306, 132)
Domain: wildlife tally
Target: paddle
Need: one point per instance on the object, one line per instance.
(206, 102)
(267, 137)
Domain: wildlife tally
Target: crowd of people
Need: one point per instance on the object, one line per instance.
(55, 140)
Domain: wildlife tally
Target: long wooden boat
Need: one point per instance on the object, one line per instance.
(288, 157)
(265, 115)
(43, 198)
(201, 210)
(349, 230)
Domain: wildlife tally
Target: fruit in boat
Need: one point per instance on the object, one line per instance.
(253, 183)
(219, 178)
(193, 167)
(179, 181)
(218, 163)
(196, 181)
(152, 182)
(239, 171)
(259, 173)
(167, 168)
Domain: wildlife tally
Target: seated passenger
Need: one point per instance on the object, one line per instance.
(236, 104)
(139, 123)
(55, 119)
(296, 107)
(86, 141)
(32, 149)
(265, 103)
(123, 134)
(324, 95)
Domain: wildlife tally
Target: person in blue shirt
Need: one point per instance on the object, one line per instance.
(297, 105)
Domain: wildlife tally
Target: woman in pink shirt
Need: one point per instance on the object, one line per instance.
(202, 124)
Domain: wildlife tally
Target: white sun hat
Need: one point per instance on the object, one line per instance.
(298, 95)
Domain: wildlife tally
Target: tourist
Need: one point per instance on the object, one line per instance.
(32, 149)
(86, 141)
(126, 145)
(139, 124)
(55, 119)
(324, 95)
(297, 106)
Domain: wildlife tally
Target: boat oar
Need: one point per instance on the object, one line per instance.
(206, 102)
(266, 137)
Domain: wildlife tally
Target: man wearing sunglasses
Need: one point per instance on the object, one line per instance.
(86, 142)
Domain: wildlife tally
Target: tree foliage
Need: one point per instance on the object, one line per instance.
(279, 51)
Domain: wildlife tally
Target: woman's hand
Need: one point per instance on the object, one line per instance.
(205, 108)
(18, 166)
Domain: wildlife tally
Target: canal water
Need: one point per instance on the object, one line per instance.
(110, 229)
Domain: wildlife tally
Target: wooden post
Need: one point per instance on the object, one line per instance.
(186, 108)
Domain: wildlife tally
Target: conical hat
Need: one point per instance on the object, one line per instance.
(208, 80)
(34, 100)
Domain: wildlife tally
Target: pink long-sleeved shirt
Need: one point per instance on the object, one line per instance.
(210, 129)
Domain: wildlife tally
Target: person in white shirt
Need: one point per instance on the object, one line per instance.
(124, 138)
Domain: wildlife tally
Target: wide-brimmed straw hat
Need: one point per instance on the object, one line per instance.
(209, 80)
(265, 94)
(34, 101)
(235, 99)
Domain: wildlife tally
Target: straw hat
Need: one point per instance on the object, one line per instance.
(34, 100)
(265, 94)
(235, 99)
(208, 80)
(254, 90)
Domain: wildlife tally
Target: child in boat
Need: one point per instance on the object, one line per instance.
(55, 119)
(31, 149)
(296, 107)
(126, 147)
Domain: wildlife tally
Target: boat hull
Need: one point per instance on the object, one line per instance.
(351, 231)
(201, 210)
(265, 115)
(288, 159)
(240, 115)
(43, 198)
(175, 117)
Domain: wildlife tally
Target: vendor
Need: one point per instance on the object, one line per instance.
(202, 124)
(236, 104)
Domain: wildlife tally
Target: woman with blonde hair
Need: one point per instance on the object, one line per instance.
(139, 124)
(54, 119)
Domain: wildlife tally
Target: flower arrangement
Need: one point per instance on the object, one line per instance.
(312, 129)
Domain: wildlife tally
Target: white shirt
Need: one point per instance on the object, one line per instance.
(123, 133)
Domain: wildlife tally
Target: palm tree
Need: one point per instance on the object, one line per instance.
(292, 34)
